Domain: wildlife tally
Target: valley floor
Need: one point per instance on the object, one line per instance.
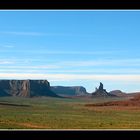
(63, 113)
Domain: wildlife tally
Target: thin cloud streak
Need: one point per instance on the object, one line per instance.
(94, 66)
(56, 70)
(7, 46)
(28, 33)
(29, 67)
(118, 62)
(98, 62)
(71, 77)
(44, 51)
(6, 62)
(22, 33)
(76, 52)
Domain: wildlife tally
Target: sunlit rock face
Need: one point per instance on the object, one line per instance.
(25, 88)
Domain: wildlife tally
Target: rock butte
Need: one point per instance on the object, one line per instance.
(26, 88)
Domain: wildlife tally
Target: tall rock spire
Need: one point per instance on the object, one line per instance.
(101, 92)
(101, 86)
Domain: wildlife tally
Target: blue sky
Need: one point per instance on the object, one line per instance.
(80, 48)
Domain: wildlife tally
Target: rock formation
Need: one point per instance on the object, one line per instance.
(69, 91)
(25, 88)
(101, 92)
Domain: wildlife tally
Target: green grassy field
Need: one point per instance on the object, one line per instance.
(61, 113)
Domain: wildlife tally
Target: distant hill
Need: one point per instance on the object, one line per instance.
(118, 93)
(133, 101)
(133, 94)
(26, 88)
(69, 90)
